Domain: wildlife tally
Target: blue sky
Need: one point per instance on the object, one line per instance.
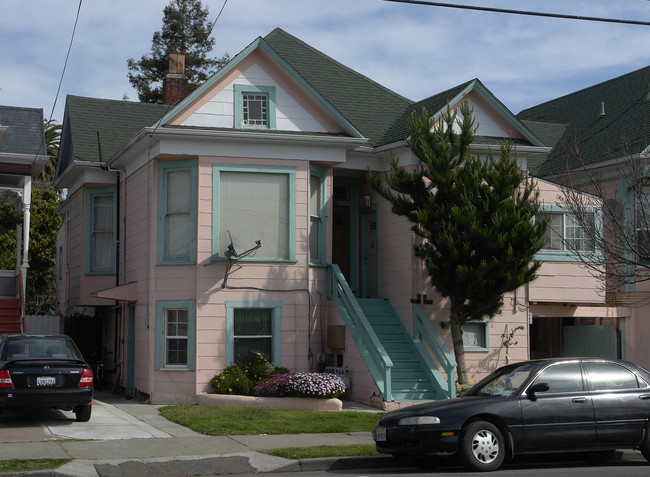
(415, 50)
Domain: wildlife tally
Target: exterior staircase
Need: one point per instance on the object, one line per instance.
(410, 379)
(405, 367)
(10, 316)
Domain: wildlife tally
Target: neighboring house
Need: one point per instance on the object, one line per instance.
(22, 156)
(240, 219)
(601, 134)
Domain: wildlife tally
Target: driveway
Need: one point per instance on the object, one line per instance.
(108, 421)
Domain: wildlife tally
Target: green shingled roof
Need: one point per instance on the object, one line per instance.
(370, 107)
(624, 129)
(116, 121)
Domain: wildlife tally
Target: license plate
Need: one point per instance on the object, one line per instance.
(43, 381)
(380, 434)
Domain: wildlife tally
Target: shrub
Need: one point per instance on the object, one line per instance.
(256, 367)
(315, 385)
(232, 380)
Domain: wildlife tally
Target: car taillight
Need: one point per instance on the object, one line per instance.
(5, 379)
(86, 378)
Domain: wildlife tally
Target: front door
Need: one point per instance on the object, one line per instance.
(369, 254)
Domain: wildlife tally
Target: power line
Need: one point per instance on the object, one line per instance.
(523, 12)
(67, 56)
(215, 20)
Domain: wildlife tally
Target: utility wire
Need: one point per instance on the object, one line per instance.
(67, 56)
(216, 19)
(523, 12)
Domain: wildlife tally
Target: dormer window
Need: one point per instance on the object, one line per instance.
(254, 107)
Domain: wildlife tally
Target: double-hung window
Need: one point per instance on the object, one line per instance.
(254, 107)
(316, 216)
(253, 328)
(254, 203)
(566, 233)
(177, 204)
(101, 222)
(642, 221)
(175, 334)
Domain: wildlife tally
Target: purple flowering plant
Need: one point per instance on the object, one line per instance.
(313, 385)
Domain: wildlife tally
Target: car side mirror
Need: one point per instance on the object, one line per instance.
(536, 388)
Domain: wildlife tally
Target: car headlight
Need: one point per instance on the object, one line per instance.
(418, 420)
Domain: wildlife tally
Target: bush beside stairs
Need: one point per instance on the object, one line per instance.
(410, 382)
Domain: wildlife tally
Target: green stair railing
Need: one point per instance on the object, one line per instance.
(426, 337)
(371, 349)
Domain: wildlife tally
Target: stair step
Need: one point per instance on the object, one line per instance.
(416, 396)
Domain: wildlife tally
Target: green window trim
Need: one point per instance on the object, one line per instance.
(93, 193)
(486, 330)
(218, 248)
(164, 168)
(567, 255)
(161, 306)
(319, 218)
(267, 91)
(275, 306)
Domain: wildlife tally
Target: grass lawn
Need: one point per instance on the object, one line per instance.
(324, 451)
(27, 465)
(230, 420)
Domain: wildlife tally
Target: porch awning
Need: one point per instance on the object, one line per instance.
(128, 292)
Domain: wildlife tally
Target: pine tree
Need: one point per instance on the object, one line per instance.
(186, 30)
(475, 216)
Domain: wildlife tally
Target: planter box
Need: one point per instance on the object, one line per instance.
(312, 404)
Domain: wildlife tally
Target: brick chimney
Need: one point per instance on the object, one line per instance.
(175, 81)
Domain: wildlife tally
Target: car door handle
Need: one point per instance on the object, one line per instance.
(644, 396)
(579, 400)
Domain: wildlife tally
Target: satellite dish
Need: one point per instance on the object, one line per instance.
(236, 250)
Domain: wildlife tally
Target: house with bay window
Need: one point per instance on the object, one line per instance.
(239, 220)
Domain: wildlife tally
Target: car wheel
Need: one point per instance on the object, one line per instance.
(645, 445)
(82, 413)
(482, 446)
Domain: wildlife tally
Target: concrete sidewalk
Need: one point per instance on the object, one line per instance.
(127, 438)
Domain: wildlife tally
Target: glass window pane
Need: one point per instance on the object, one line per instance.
(253, 321)
(474, 335)
(255, 109)
(103, 212)
(254, 206)
(246, 346)
(176, 336)
(178, 191)
(563, 378)
(315, 198)
(553, 238)
(314, 227)
(178, 235)
(608, 376)
(103, 250)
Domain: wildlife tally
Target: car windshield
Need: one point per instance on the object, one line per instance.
(40, 348)
(504, 381)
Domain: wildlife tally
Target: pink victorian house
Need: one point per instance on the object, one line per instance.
(240, 220)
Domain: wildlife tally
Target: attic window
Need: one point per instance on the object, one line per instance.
(254, 107)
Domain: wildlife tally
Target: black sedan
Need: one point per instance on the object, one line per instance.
(44, 371)
(555, 405)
